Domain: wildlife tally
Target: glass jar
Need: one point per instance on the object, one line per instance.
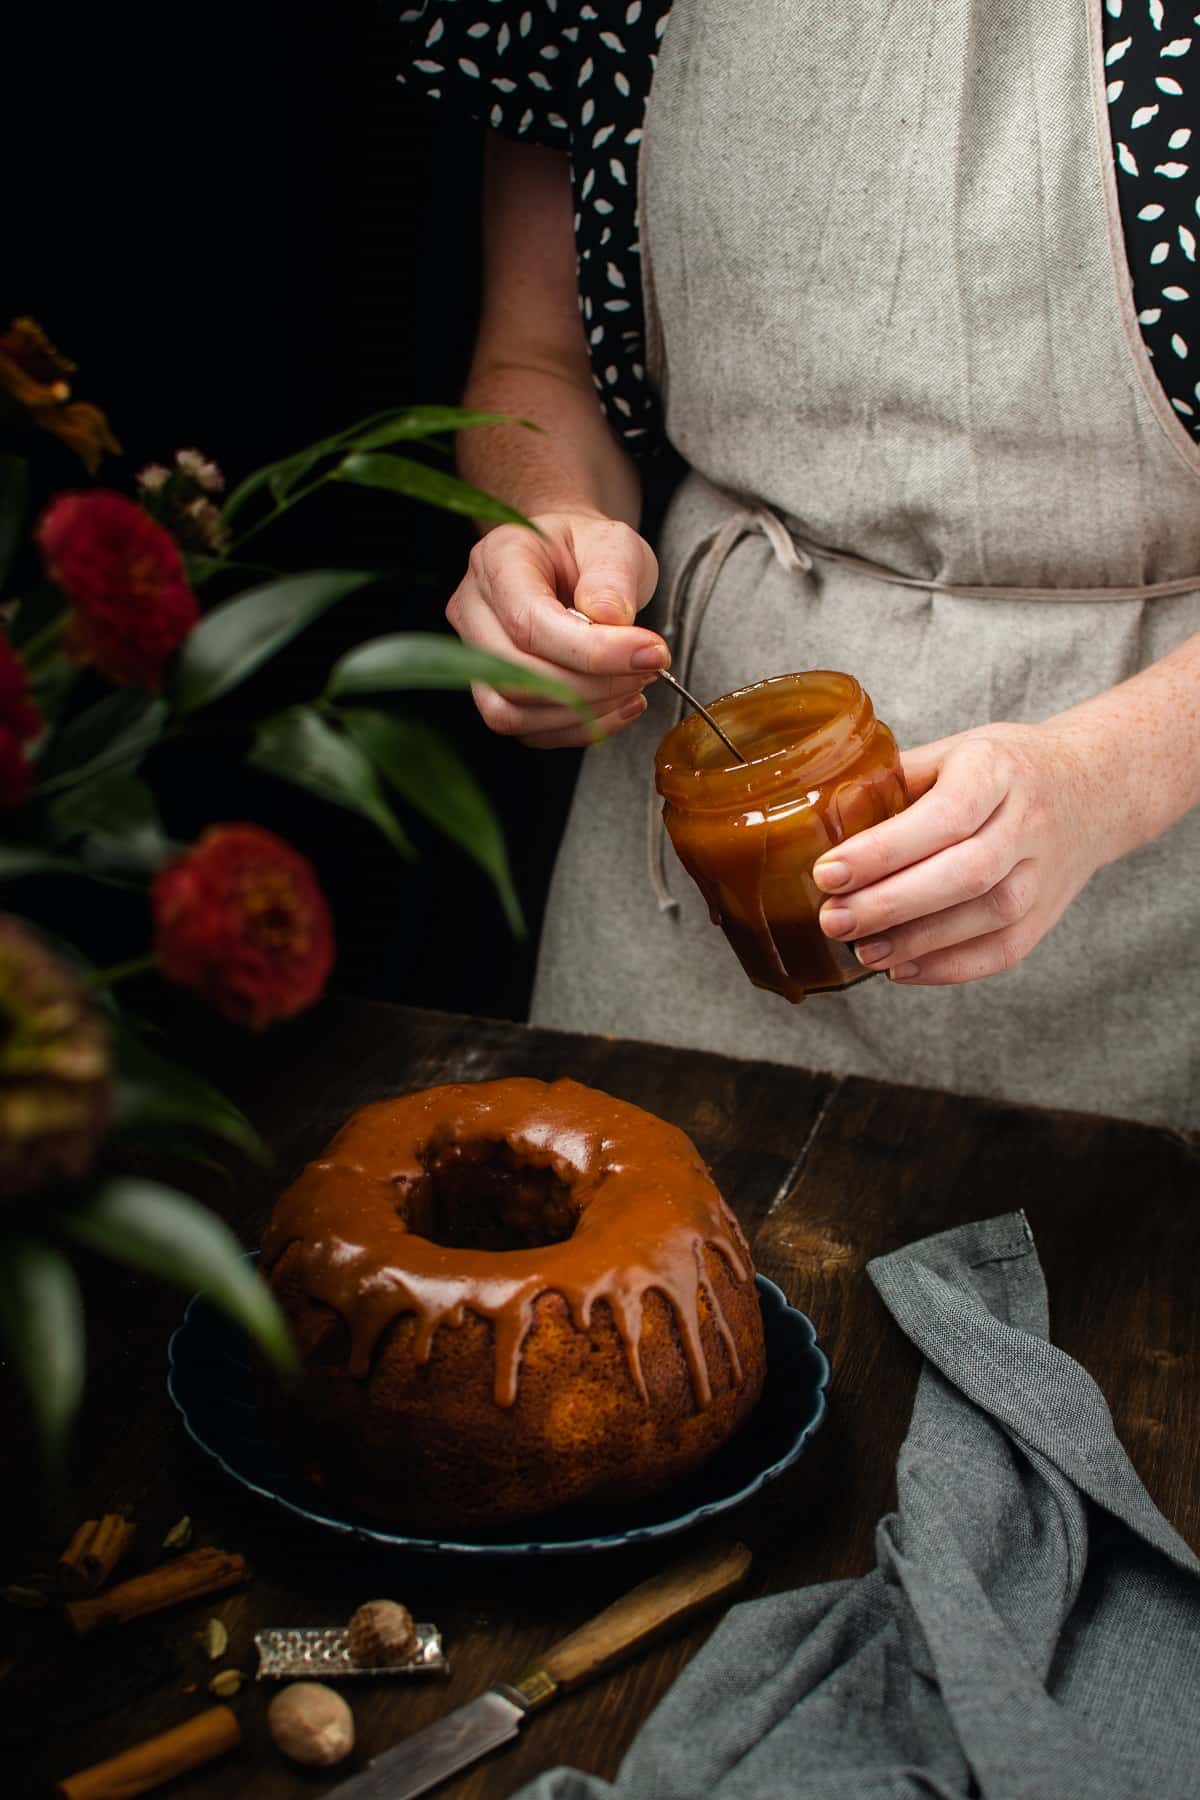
(820, 767)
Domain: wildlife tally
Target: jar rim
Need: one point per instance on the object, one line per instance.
(816, 756)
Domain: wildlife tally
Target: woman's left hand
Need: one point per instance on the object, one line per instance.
(1008, 823)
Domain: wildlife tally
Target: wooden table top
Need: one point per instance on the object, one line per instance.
(823, 1173)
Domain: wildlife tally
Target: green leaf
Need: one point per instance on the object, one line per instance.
(275, 476)
(157, 1229)
(426, 659)
(238, 637)
(417, 423)
(115, 733)
(281, 476)
(118, 822)
(156, 1097)
(202, 567)
(432, 777)
(392, 425)
(37, 607)
(41, 1323)
(14, 503)
(399, 475)
(19, 860)
(291, 471)
(53, 685)
(301, 747)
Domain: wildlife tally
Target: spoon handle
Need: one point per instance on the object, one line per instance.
(665, 675)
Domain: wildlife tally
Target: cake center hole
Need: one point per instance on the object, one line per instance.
(483, 1197)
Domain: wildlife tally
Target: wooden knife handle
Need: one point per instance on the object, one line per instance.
(647, 1613)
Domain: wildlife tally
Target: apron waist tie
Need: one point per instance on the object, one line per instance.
(696, 581)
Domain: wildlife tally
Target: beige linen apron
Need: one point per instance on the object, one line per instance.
(889, 313)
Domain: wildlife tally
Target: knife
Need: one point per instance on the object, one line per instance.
(643, 1616)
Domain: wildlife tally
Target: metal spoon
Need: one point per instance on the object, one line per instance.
(665, 675)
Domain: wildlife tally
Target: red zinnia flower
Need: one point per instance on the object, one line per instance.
(241, 919)
(20, 721)
(123, 574)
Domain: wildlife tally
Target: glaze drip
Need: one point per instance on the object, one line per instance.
(644, 1211)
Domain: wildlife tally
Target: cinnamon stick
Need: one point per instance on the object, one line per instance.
(156, 1760)
(185, 1578)
(94, 1552)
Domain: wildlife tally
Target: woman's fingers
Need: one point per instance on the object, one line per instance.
(968, 870)
(921, 766)
(520, 716)
(616, 571)
(528, 597)
(1005, 905)
(968, 788)
(516, 583)
(574, 736)
(993, 954)
(477, 622)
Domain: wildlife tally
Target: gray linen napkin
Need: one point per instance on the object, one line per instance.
(1031, 1631)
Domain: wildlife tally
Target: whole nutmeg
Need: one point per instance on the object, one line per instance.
(381, 1634)
(311, 1724)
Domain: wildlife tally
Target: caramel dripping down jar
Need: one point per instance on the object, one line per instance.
(820, 767)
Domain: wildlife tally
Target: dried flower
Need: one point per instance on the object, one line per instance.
(123, 574)
(33, 374)
(240, 918)
(199, 469)
(55, 1088)
(181, 499)
(202, 528)
(20, 723)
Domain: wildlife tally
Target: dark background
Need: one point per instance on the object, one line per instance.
(247, 233)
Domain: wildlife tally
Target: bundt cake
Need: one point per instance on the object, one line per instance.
(510, 1296)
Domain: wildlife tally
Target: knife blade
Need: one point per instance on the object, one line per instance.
(637, 1620)
(440, 1750)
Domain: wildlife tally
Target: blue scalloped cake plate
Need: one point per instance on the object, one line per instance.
(212, 1382)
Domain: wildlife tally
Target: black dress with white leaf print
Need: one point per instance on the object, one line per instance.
(576, 77)
(1152, 59)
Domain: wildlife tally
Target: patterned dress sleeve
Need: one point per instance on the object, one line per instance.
(504, 64)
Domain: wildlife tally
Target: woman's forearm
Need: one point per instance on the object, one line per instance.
(572, 464)
(1141, 742)
(531, 356)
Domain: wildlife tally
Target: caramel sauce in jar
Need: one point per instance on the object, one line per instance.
(820, 766)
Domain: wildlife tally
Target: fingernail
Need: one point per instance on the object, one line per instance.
(873, 950)
(904, 971)
(633, 709)
(606, 612)
(836, 921)
(831, 875)
(651, 656)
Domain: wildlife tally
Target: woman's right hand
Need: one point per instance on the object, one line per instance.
(564, 604)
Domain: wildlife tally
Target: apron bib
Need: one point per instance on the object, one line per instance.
(890, 320)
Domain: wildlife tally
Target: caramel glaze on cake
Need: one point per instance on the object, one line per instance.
(509, 1296)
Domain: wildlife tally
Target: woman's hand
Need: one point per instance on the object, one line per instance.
(563, 604)
(1008, 823)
